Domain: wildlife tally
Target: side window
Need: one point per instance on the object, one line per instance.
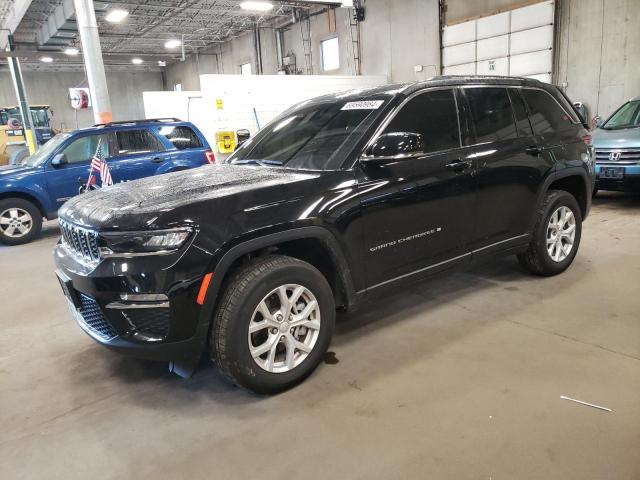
(84, 148)
(137, 141)
(181, 137)
(546, 115)
(491, 113)
(520, 112)
(434, 116)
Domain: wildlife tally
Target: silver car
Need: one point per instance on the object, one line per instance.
(617, 145)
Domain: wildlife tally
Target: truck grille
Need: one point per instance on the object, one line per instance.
(83, 243)
(618, 156)
(91, 317)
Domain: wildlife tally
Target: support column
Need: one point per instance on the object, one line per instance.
(25, 112)
(92, 53)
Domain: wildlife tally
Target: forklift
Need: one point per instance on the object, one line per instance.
(13, 146)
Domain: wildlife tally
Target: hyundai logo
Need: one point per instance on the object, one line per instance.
(614, 156)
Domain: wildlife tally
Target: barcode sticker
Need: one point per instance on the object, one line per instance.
(363, 105)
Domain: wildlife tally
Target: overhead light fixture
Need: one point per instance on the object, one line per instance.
(173, 43)
(256, 6)
(162, 63)
(46, 59)
(137, 61)
(71, 51)
(116, 16)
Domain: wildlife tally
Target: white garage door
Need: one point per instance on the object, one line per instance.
(518, 43)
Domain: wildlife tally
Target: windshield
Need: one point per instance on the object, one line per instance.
(39, 116)
(628, 116)
(310, 135)
(46, 150)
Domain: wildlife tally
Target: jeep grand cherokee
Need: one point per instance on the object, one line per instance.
(336, 200)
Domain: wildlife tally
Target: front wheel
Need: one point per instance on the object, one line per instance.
(556, 236)
(20, 221)
(273, 324)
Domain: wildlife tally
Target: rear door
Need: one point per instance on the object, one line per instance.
(509, 166)
(139, 153)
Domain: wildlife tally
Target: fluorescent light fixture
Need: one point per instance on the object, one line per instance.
(116, 16)
(256, 6)
(46, 59)
(162, 63)
(71, 51)
(173, 43)
(137, 61)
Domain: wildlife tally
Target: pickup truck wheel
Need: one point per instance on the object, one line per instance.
(20, 221)
(273, 324)
(556, 236)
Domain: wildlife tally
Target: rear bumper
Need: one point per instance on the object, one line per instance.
(630, 182)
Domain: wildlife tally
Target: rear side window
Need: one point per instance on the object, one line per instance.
(520, 112)
(132, 142)
(433, 115)
(181, 137)
(545, 113)
(491, 113)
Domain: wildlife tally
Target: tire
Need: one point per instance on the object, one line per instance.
(537, 259)
(20, 221)
(257, 284)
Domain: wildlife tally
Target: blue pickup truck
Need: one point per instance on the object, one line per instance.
(135, 149)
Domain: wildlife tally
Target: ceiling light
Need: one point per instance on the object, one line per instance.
(174, 43)
(46, 59)
(71, 51)
(137, 61)
(116, 16)
(162, 63)
(257, 6)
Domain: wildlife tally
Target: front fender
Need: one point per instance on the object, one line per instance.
(34, 193)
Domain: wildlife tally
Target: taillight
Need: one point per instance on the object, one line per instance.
(211, 158)
(587, 140)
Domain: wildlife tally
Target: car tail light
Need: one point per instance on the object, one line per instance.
(587, 139)
(209, 155)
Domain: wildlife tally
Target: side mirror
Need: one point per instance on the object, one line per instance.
(59, 160)
(597, 121)
(395, 146)
(242, 135)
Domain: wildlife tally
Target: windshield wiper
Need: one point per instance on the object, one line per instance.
(262, 163)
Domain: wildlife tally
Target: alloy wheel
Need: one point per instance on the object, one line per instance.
(15, 222)
(561, 234)
(284, 328)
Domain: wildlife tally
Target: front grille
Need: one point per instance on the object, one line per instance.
(618, 156)
(93, 319)
(82, 242)
(149, 322)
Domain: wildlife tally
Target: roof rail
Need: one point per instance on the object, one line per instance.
(135, 122)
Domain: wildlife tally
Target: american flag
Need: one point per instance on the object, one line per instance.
(99, 164)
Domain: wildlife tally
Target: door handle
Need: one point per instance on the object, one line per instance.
(533, 150)
(458, 165)
(157, 160)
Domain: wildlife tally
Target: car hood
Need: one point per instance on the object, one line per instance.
(8, 172)
(142, 202)
(623, 138)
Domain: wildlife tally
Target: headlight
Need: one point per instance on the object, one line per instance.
(137, 243)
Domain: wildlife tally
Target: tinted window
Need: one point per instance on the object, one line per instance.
(491, 113)
(137, 141)
(520, 112)
(181, 137)
(84, 148)
(434, 116)
(545, 113)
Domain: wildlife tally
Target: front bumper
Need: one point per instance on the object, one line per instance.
(629, 182)
(168, 325)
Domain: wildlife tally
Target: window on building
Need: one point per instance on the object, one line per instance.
(131, 142)
(434, 116)
(181, 137)
(330, 54)
(177, 87)
(245, 69)
(492, 114)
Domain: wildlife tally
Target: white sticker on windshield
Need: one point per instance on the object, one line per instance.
(363, 105)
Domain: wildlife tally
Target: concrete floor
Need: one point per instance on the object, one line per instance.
(460, 377)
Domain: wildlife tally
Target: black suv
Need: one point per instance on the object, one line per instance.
(336, 200)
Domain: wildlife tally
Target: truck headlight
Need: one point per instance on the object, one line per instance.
(141, 243)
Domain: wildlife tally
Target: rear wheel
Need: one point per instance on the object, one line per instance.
(273, 325)
(20, 221)
(556, 236)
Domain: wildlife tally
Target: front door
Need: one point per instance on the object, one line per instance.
(417, 212)
(63, 181)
